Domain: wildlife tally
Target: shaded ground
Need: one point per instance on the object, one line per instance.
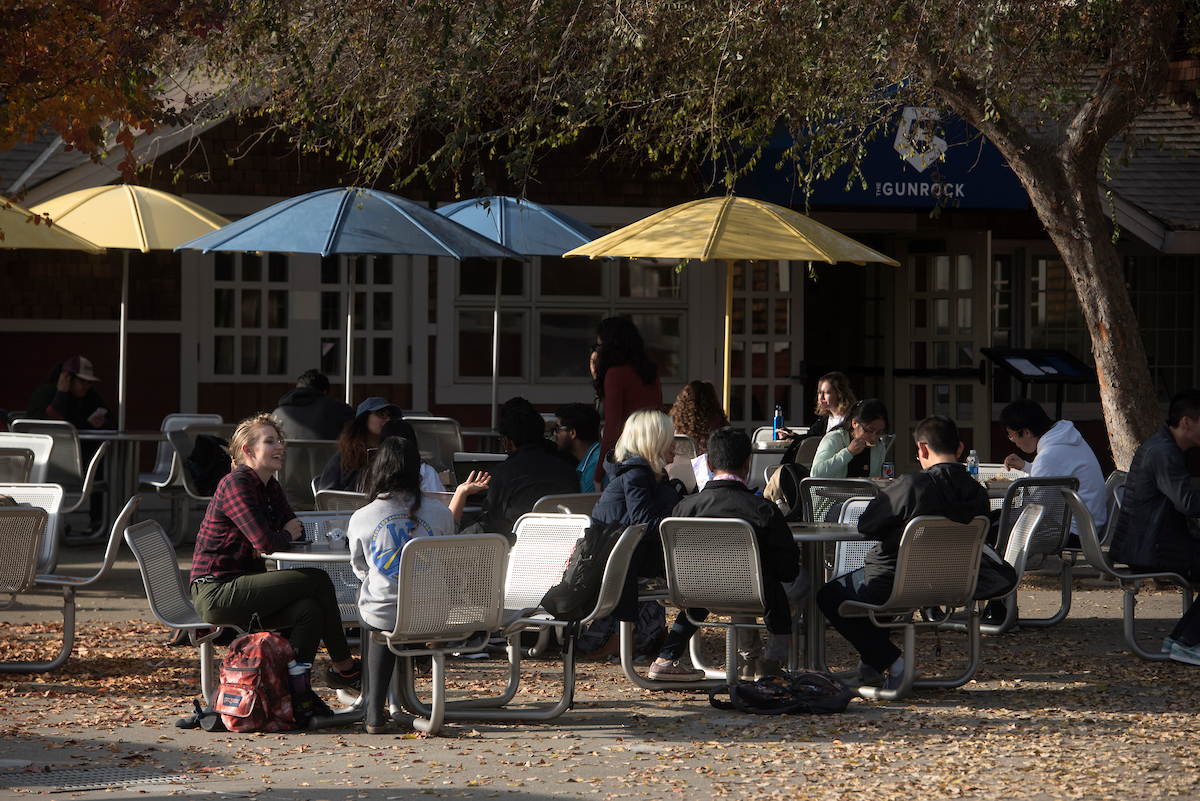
(1054, 713)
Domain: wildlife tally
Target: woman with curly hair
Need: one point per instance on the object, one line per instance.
(834, 400)
(697, 413)
(626, 381)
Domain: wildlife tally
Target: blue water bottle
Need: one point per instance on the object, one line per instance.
(778, 423)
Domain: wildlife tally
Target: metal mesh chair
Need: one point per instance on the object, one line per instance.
(66, 460)
(1050, 537)
(851, 554)
(808, 450)
(317, 526)
(450, 588)
(713, 564)
(937, 566)
(685, 447)
(16, 464)
(40, 444)
(1129, 580)
(822, 498)
(20, 532)
(168, 595)
(438, 438)
(303, 460)
(71, 584)
(48, 497)
(165, 455)
(579, 503)
(184, 443)
(339, 501)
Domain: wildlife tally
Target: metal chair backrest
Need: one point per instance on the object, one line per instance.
(185, 441)
(615, 570)
(66, 457)
(807, 451)
(124, 518)
(40, 444)
(713, 563)
(165, 588)
(682, 469)
(438, 439)
(15, 465)
(304, 459)
(938, 563)
(539, 556)
(48, 497)
(177, 422)
(1017, 551)
(575, 503)
(20, 532)
(1051, 534)
(339, 501)
(850, 555)
(1114, 488)
(822, 498)
(450, 587)
(686, 447)
(1089, 539)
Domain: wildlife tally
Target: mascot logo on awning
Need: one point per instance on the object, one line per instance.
(915, 141)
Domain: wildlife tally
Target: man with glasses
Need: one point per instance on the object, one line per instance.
(578, 434)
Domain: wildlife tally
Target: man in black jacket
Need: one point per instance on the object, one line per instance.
(307, 412)
(943, 487)
(726, 495)
(1156, 529)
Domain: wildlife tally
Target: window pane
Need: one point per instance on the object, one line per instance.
(758, 404)
(758, 359)
(758, 316)
(783, 397)
(331, 311)
(966, 316)
(737, 360)
(664, 340)
(964, 411)
(277, 308)
(941, 399)
(783, 361)
(381, 356)
(918, 274)
(251, 308)
(331, 270)
(223, 306)
(250, 355)
(478, 277)
(965, 278)
(475, 343)
(920, 316)
(966, 354)
(941, 354)
(223, 266)
(941, 274)
(331, 359)
(919, 402)
(579, 278)
(277, 355)
(941, 316)
(360, 311)
(643, 278)
(251, 267)
(783, 316)
(381, 303)
(760, 275)
(564, 344)
(919, 351)
(383, 270)
(223, 355)
(360, 356)
(277, 268)
(359, 263)
(737, 402)
(739, 316)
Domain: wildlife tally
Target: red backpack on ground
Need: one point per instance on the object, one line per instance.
(254, 694)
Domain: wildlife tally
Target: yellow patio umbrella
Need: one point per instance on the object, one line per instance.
(18, 233)
(130, 218)
(730, 228)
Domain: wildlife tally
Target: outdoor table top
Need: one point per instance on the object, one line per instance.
(310, 552)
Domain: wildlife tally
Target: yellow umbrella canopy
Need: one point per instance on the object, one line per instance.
(17, 233)
(130, 218)
(730, 228)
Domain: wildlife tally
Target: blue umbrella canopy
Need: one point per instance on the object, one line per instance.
(521, 225)
(350, 221)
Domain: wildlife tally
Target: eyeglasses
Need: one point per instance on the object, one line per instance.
(557, 429)
(1012, 435)
(384, 413)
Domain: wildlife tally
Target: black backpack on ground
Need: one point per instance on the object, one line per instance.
(805, 691)
(575, 596)
(208, 464)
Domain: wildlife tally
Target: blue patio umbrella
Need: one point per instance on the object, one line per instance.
(350, 221)
(525, 227)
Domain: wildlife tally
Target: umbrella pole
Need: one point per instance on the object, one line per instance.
(496, 348)
(350, 265)
(122, 335)
(728, 369)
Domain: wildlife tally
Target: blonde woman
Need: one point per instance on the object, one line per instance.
(638, 492)
(248, 516)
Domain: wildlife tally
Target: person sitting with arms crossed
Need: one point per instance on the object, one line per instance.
(943, 487)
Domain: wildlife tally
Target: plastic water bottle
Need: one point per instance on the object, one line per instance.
(778, 423)
(973, 464)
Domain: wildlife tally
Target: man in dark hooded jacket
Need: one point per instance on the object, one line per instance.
(307, 412)
(943, 487)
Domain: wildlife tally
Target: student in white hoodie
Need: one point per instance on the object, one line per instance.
(397, 513)
(1060, 449)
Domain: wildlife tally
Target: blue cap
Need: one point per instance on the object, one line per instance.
(375, 404)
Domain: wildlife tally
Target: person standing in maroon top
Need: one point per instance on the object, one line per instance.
(626, 381)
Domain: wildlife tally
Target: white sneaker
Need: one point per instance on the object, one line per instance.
(1187, 655)
(1168, 644)
(673, 671)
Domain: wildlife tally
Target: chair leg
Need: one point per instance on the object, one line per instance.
(206, 670)
(627, 654)
(1063, 609)
(1130, 634)
(910, 672)
(437, 707)
(974, 642)
(68, 642)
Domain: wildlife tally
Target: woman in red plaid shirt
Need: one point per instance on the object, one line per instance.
(247, 517)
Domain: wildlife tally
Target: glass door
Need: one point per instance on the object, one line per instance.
(766, 344)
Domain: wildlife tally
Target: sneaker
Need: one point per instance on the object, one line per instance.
(1168, 644)
(1189, 655)
(893, 680)
(351, 680)
(768, 667)
(673, 671)
(746, 669)
(869, 675)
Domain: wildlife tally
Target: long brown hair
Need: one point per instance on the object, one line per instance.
(841, 385)
(697, 412)
(352, 443)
